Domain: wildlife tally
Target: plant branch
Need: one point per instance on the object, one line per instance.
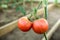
(45, 8)
(45, 36)
(46, 13)
(36, 8)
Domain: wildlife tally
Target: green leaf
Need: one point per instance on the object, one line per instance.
(4, 6)
(35, 10)
(21, 9)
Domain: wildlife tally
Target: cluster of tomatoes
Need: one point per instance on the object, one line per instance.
(39, 26)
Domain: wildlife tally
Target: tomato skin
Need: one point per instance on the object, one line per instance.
(40, 26)
(24, 24)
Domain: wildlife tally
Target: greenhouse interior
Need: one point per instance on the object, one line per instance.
(29, 19)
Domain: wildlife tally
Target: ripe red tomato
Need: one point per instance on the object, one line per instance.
(24, 24)
(40, 26)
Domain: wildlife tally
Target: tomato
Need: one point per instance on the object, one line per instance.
(40, 26)
(24, 24)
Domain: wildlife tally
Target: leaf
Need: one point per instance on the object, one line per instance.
(4, 6)
(35, 10)
(21, 9)
(17, 9)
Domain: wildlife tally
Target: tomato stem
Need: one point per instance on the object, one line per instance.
(46, 13)
(45, 8)
(39, 5)
(29, 17)
(35, 10)
(45, 36)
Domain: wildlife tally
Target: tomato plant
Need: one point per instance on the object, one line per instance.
(40, 26)
(24, 24)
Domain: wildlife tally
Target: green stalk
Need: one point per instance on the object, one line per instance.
(35, 9)
(31, 8)
(46, 13)
(45, 8)
(29, 17)
(39, 5)
(45, 36)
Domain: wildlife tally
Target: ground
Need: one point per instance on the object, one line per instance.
(16, 34)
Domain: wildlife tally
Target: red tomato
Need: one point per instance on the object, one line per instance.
(24, 24)
(40, 26)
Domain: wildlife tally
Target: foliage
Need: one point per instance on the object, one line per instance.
(5, 4)
(56, 2)
(21, 9)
